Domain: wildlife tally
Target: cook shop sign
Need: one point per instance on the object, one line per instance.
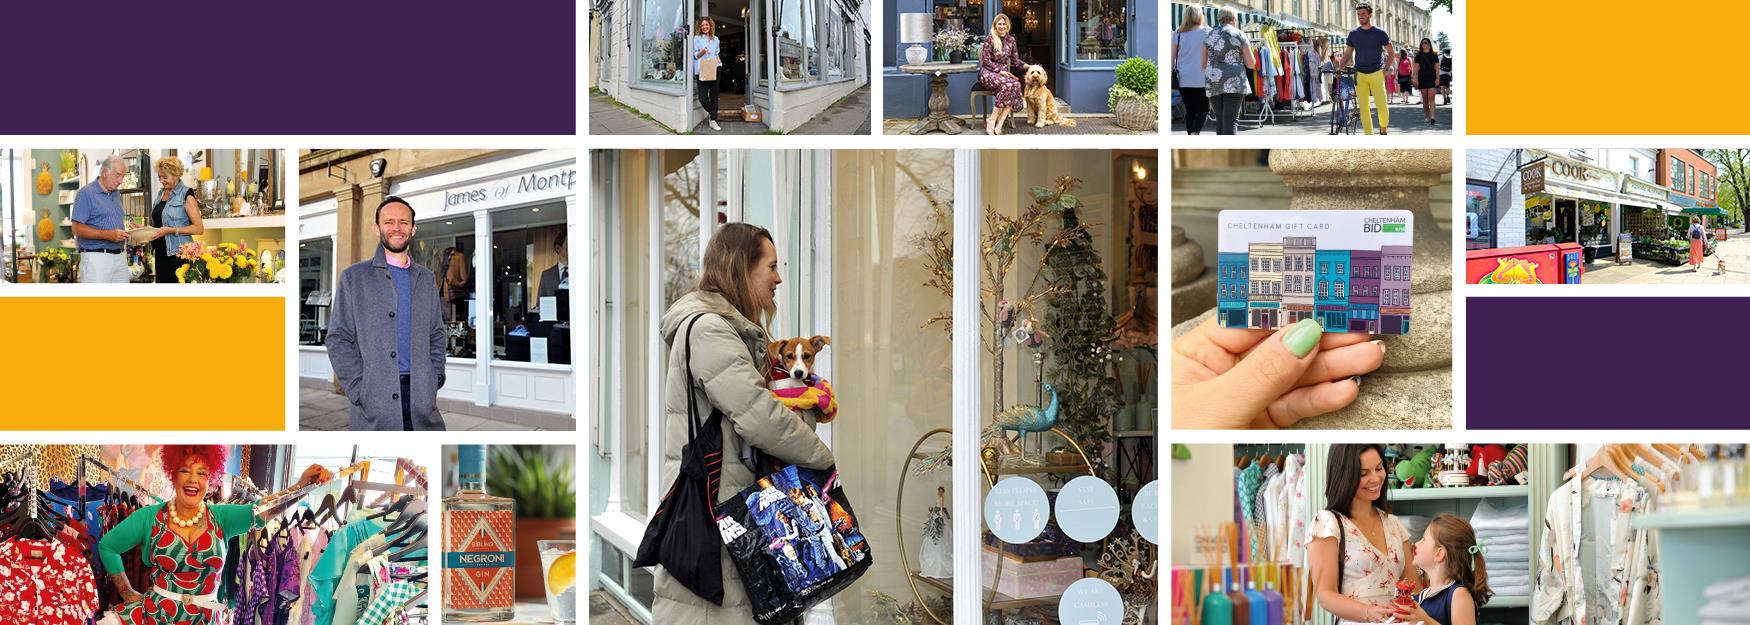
(1532, 177)
(533, 185)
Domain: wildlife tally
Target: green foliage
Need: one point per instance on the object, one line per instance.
(1081, 330)
(1138, 75)
(543, 486)
(1117, 93)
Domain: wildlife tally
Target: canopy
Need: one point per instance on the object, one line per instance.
(1710, 211)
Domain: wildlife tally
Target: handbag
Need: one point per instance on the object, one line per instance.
(680, 536)
(1175, 61)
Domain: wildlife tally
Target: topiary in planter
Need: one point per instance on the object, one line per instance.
(1132, 97)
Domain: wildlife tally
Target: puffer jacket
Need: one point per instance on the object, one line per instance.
(727, 350)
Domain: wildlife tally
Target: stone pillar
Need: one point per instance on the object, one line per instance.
(1413, 390)
(1193, 284)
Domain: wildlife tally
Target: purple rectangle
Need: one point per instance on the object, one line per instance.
(291, 67)
(1613, 363)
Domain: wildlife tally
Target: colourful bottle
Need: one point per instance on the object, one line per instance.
(1275, 612)
(479, 546)
(1217, 609)
(1242, 605)
(1259, 604)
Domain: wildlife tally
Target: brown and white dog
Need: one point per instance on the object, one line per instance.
(1041, 104)
(792, 360)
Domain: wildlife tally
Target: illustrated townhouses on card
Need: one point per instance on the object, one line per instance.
(1353, 278)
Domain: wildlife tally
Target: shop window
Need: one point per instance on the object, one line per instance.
(798, 42)
(446, 246)
(1479, 215)
(1099, 29)
(315, 289)
(663, 42)
(522, 254)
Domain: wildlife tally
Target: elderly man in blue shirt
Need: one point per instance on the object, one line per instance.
(98, 225)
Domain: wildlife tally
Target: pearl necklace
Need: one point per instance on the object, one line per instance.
(190, 522)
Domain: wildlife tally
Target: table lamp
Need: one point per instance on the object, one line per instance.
(915, 29)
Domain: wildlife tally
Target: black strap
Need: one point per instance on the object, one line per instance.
(693, 424)
(1342, 544)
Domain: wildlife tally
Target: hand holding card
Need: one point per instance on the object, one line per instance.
(1349, 270)
(1225, 378)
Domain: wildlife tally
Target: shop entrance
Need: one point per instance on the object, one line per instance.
(742, 78)
(1567, 221)
(1036, 27)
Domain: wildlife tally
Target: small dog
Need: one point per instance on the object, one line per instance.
(1722, 269)
(1041, 104)
(793, 360)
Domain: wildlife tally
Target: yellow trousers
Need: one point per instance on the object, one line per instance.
(1369, 86)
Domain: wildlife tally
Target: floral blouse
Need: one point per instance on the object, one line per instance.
(1369, 576)
(1226, 70)
(45, 583)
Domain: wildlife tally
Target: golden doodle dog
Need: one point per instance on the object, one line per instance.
(1041, 105)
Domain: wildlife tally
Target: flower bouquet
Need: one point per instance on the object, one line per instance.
(57, 265)
(226, 262)
(953, 42)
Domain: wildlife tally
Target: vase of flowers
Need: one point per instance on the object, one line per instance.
(225, 262)
(56, 264)
(952, 42)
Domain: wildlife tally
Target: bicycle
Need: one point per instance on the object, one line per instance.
(1345, 112)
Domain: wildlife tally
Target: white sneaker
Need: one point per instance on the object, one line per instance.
(714, 125)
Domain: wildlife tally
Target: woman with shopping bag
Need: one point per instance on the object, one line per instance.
(706, 47)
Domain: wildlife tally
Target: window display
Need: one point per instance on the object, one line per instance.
(663, 42)
(1099, 29)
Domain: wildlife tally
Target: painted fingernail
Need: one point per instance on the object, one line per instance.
(1302, 337)
(1357, 380)
(1380, 344)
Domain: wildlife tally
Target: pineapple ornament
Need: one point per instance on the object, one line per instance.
(45, 181)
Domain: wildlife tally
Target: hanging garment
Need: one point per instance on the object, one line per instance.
(327, 573)
(393, 596)
(45, 582)
(1251, 479)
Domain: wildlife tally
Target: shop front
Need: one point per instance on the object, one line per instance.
(1079, 43)
(490, 226)
(237, 194)
(861, 235)
(788, 59)
(1567, 201)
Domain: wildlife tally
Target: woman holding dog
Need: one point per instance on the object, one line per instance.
(994, 70)
(734, 303)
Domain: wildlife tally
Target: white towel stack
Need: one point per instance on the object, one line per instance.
(1728, 603)
(1505, 534)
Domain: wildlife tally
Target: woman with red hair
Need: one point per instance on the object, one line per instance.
(183, 540)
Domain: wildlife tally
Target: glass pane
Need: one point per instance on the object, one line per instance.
(680, 226)
(1099, 29)
(628, 244)
(315, 279)
(889, 364)
(798, 48)
(446, 244)
(1479, 215)
(525, 267)
(757, 197)
(663, 42)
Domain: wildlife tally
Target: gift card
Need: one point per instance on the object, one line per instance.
(1347, 269)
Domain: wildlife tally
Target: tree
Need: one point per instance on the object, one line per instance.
(1734, 180)
(1440, 4)
(1082, 331)
(1441, 42)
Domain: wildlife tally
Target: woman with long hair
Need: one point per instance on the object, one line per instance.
(733, 306)
(1427, 65)
(706, 45)
(994, 70)
(1357, 550)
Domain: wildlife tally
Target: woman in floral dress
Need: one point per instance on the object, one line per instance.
(183, 541)
(994, 64)
(1375, 546)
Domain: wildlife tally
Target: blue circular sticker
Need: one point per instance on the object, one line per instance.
(1016, 509)
(1087, 509)
(1090, 601)
(1145, 512)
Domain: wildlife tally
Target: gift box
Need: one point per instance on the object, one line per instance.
(1023, 579)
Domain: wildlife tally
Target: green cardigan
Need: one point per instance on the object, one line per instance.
(233, 520)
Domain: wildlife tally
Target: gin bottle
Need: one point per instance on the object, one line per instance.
(479, 546)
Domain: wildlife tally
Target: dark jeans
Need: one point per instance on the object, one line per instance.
(707, 90)
(406, 403)
(1227, 113)
(1196, 108)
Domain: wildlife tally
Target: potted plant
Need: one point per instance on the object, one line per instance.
(57, 265)
(1133, 97)
(544, 487)
(953, 42)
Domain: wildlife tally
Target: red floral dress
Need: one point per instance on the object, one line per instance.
(44, 582)
(1369, 575)
(990, 71)
(181, 567)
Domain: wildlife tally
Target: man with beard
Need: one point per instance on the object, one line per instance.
(386, 337)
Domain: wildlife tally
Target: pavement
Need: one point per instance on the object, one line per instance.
(321, 409)
(1735, 250)
(1407, 119)
(849, 116)
(605, 610)
(1085, 125)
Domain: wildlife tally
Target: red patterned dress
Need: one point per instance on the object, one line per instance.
(179, 566)
(990, 71)
(44, 582)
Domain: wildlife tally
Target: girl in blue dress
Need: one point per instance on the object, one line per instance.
(1458, 580)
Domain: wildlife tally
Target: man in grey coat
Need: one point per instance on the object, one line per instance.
(386, 340)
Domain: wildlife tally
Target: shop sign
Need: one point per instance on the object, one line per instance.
(1635, 186)
(511, 189)
(1533, 176)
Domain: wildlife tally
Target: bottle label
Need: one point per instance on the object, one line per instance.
(480, 559)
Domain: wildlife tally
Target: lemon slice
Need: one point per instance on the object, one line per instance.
(562, 575)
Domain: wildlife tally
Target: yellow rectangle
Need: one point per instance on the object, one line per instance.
(143, 363)
(1603, 67)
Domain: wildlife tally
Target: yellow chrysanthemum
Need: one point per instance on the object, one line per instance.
(208, 257)
(223, 272)
(182, 273)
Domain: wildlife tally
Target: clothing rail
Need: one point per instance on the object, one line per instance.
(86, 460)
(273, 504)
